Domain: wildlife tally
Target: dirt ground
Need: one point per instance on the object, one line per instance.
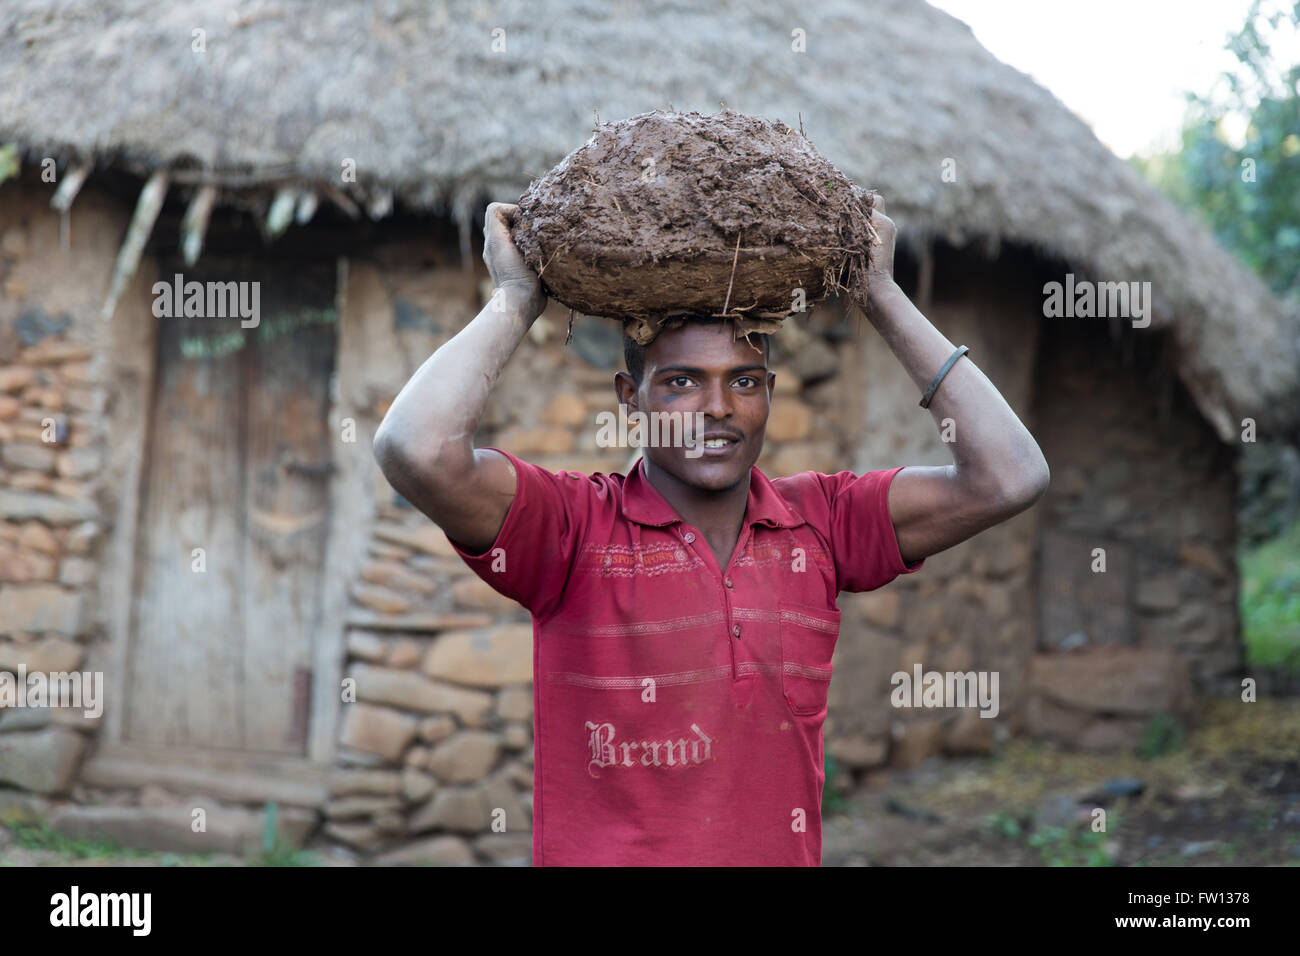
(1230, 795)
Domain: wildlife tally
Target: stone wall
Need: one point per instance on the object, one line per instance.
(969, 607)
(1142, 488)
(435, 730)
(52, 452)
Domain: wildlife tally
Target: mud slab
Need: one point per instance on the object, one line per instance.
(670, 214)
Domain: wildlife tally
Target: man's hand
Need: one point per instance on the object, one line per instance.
(506, 266)
(881, 274)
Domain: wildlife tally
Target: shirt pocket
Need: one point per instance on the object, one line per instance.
(808, 636)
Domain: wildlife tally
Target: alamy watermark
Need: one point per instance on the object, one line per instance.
(76, 690)
(946, 689)
(209, 300)
(130, 910)
(1098, 300)
(653, 429)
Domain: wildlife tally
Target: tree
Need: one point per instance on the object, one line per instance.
(1248, 195)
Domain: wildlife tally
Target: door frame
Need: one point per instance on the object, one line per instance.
(129, 345)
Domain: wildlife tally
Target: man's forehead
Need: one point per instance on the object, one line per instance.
(704, 345)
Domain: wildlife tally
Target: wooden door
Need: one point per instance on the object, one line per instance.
(233, 520)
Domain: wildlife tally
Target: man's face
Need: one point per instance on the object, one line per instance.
(699, 368)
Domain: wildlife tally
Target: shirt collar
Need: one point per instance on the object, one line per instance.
(643, 503)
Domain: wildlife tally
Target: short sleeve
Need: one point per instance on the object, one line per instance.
(863, 541)
(534, 551)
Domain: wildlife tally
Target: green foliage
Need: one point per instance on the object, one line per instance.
(1064, 846)
(285, 854)
(10, 162)
(832, 799)
(270, 832)
(1263, 821)
(275, 852)
(1249, 196)
(1056, 845)
(1268, 490)
(1270, 602)
(39, 836)
(1005, 825)
(1163, 734)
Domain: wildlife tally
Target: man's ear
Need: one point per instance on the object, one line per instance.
(625, 389)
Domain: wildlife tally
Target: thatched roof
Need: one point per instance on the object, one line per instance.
(420, 94)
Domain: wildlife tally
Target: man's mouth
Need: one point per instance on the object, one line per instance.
(714, 444)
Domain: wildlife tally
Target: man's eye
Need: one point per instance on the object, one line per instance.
(679, 378)
(747, 378)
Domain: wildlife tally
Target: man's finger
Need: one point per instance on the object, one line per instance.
(507, 212)
(499, 212)
(878, 203)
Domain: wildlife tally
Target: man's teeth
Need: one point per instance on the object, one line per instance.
(716, 442)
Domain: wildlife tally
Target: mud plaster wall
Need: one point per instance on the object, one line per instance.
(968, 607)
(1137, 474)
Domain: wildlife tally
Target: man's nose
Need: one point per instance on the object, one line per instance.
(717, 399)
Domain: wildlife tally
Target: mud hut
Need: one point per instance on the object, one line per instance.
(189, 507)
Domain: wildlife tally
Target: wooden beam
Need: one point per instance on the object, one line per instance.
(351, 515)
(72, 182)
(243, 778)
(194, 227)
(307, 203)
(281, 212)
(147, 208)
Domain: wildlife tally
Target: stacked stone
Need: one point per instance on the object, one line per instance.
(50, 528)
(963, 612)
(805, 429)
(436, 743)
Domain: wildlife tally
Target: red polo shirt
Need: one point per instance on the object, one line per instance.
(679, 705)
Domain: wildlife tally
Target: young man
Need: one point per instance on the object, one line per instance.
(684, 615)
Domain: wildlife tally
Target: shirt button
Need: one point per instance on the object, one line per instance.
(729, 584)
(736, 630)
(689, 537)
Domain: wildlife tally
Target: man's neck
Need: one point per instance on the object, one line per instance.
(718, 514)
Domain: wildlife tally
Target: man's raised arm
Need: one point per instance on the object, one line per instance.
(424, 445)
(998, 469)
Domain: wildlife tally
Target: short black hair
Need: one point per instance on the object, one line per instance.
(634, 354)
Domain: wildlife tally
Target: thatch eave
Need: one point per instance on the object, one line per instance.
(430, 107)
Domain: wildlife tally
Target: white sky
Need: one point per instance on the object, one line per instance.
(1120, 65)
